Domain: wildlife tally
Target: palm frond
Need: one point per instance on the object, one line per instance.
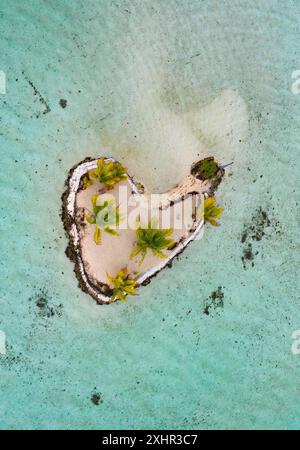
(153, 239)
(122, 285)
(105, 216)
(212, 211)
(108, 172)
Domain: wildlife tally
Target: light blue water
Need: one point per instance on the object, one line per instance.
(158, 360)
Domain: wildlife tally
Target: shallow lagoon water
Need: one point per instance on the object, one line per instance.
(134, 75)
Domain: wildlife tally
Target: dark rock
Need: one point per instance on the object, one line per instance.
(63, 103)
(96, 398)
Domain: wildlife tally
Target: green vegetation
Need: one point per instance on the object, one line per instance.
(105, 215)
(205, 169)
(153, 239)
(108, 172)
(212, 211)
(122, 285)
(86, 181)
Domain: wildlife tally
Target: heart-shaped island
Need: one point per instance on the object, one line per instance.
(120, 236)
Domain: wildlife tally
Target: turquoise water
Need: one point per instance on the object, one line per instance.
(158, 360)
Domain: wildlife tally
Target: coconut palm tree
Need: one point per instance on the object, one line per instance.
(153, 239)
(107, 172)
(212, 211)
(122, 285)
(105, 215)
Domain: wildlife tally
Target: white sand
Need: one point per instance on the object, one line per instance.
(171, 142)
(113, 252)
